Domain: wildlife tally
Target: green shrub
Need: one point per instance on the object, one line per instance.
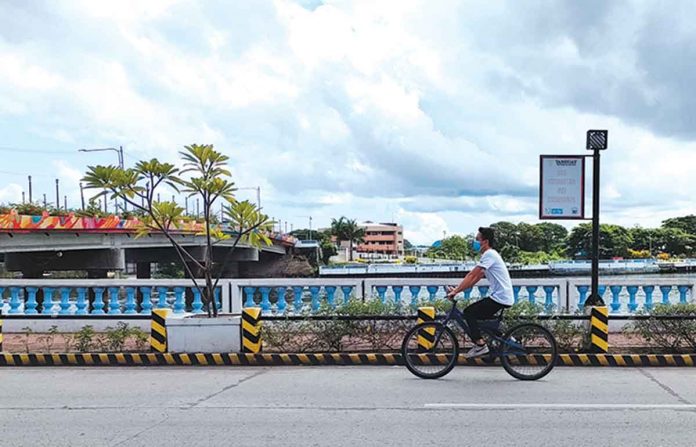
(115, 338)
(522, 312)
(27, 335)
(569, 335)
(141, 338)
(288, 336)
(386, 335)
(672, 335)
(48, 338)
(83, 340)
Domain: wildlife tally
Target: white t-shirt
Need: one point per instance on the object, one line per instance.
(498, 277)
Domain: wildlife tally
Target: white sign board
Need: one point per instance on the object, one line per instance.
(562, 187)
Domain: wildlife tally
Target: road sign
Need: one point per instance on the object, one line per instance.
(562, 187)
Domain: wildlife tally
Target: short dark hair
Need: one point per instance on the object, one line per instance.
(488, 234)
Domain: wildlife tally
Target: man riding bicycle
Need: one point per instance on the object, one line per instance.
(492, 266)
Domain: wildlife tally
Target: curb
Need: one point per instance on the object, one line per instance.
(327, 359)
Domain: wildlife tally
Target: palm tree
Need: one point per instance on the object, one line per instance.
(354, 233)
(347, 230)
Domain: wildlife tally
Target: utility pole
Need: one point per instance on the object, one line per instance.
(57, 195)
(30, 196)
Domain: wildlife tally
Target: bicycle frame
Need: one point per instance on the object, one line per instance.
(492, 329)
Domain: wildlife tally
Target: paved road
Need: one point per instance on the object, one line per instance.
(357, 406)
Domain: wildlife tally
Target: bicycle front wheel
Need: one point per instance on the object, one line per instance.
(529, 352)
(430, 350)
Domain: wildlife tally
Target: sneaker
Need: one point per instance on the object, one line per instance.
(477, 351)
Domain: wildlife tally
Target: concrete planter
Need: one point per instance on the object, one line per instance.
(221, 334)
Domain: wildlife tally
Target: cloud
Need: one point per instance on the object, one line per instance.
(422, 228)
(431, 112)
(11, 193)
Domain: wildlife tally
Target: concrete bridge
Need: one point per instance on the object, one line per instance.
(36, 244)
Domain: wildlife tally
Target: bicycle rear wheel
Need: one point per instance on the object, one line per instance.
(430, 350)
(529, 352)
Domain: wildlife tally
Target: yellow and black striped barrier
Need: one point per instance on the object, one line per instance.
(158, 331)
(251, 330)
(324, 359)
(426, 337)
(599, 329)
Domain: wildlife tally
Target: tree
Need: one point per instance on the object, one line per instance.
(506, 234)
(328, 248)
(670, 240)
(675, 242)
(614, 241)
(305, 234)
(453, 247)
(644, 239)
(204, 175)
(686, 223)
(338, 228)
(530, 237)
(347, 230)
(552, 236)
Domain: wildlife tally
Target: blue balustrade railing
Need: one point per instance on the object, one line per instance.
(279, 300)
(312, 296)
(95, 300)
(293, 296)
(626, 296)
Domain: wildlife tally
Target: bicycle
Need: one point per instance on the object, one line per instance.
(527, 351)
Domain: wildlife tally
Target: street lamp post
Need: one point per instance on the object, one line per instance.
(258, 193)
(119, 151)
(82, 196)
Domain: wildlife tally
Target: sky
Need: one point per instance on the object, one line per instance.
(432, 114)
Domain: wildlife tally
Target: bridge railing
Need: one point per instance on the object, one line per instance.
(628, 296)
(280, 296)
(290, 295)
(95, 297)
(550, 293)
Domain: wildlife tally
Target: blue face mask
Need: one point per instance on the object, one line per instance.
(476, 245)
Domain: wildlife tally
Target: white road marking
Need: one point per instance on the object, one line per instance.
(560, 406)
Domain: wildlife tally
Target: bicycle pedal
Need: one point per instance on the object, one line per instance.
(490, 358)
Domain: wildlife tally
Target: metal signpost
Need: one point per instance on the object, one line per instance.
(562, 195)
(596, 142)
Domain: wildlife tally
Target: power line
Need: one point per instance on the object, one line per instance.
(24, 174)
(34, 151)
